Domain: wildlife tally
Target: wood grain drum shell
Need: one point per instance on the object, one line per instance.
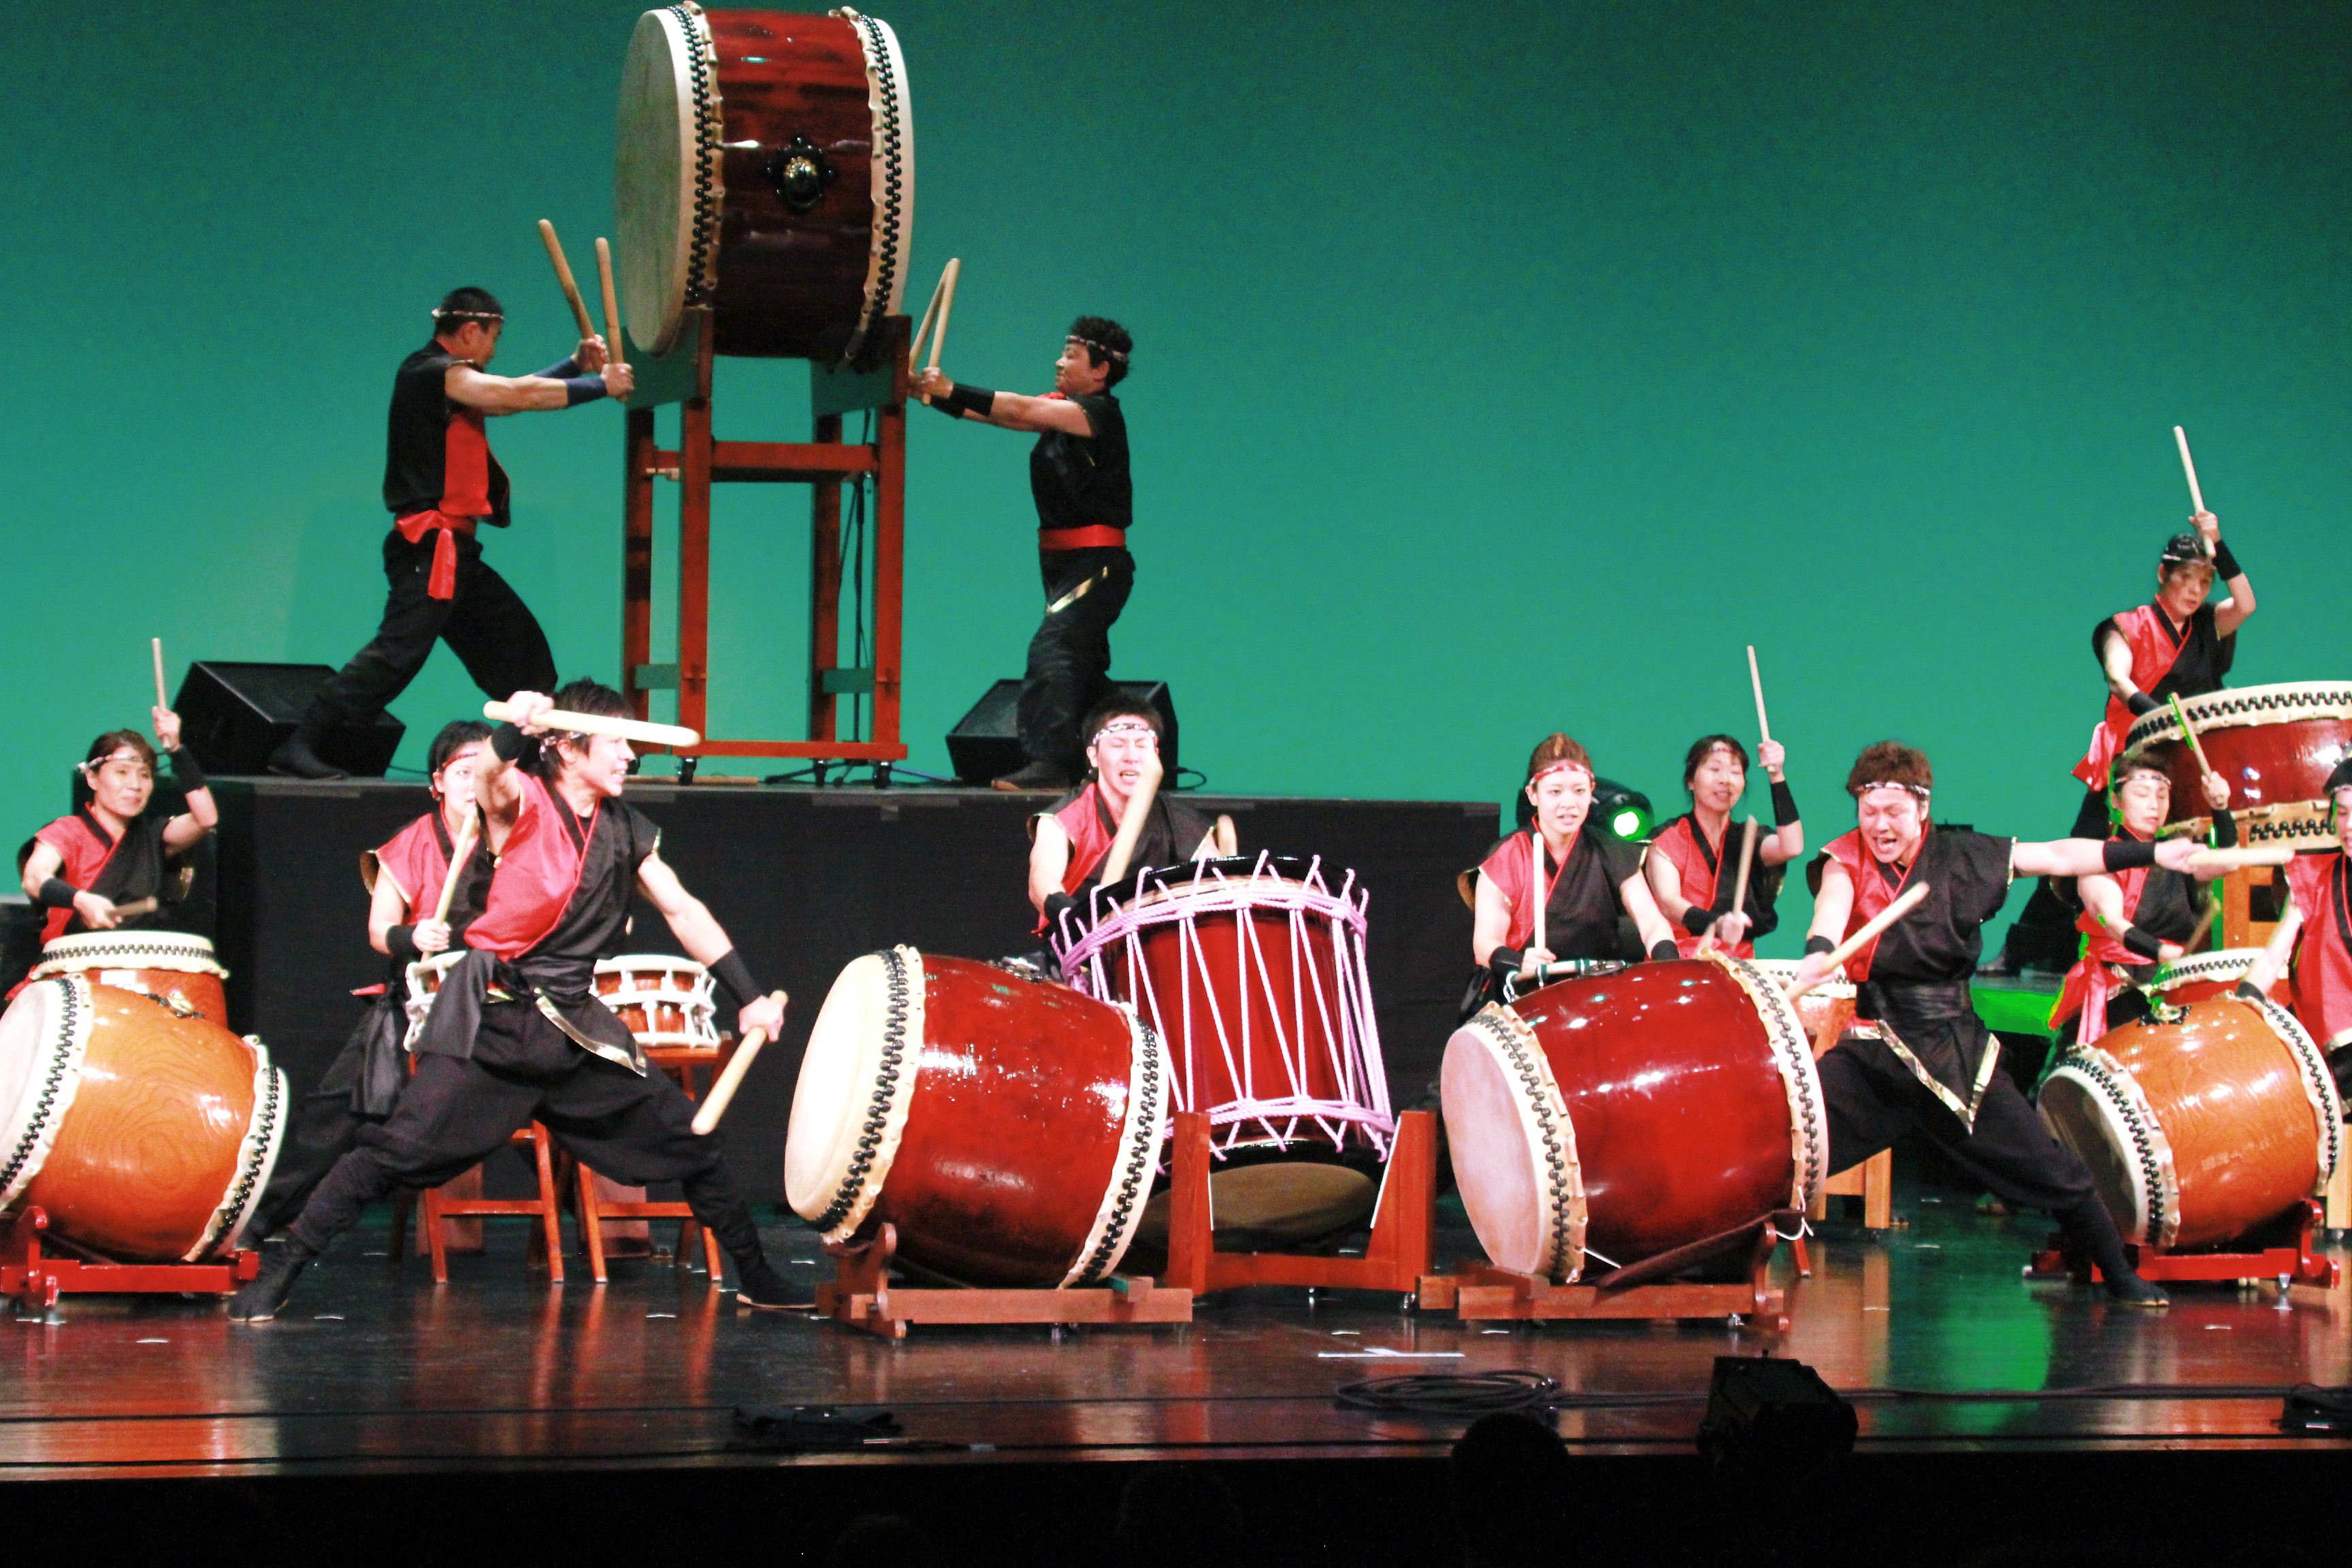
(2276, 745)
(765, 170)
(1008, 1129)
(176, 967)
(147, 1135)
(2203, 974)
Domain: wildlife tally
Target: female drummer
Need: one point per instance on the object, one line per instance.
(2317, 935)
(1929, 1065)
(2132, 920)
(1596, 906)
(1069, 840)
(1687, 858)
(107, 867)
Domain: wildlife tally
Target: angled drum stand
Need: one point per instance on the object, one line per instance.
(1480, 1292)
(36, 1276)
(2280, 1250)
(860, 1296)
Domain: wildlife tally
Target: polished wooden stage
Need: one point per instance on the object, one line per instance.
(410, 1410)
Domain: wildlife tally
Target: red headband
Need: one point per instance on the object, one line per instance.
(1559, 765)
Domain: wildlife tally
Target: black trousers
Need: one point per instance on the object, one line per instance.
(486, 625)
(2044, 936)
(1069, 658)
(1872, 1100)
(325, 1129)
(636, 1131)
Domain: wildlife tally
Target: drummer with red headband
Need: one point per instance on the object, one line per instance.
(1920, 1059)
(108, 867)
(2315, 937)
(1068, 842)
(2132, 920)
(405, 880)
(2179, 643)
(1597, 908)
(1694, 860)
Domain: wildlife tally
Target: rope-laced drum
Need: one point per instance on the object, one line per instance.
(2200, 1130)
(766, 170)
(665, 1001)
(1007, 1127)
(146, 1133)
(1623, 1118)
(174, 967)
(2274, 744)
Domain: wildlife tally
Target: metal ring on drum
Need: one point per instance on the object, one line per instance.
(2274, 744)
(177, 968)
(667, 1002)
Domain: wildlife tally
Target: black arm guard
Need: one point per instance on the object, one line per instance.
(2127, 854)
(2142, 943)
(402, 941)
(1504, 961)
(56, 893)
(186, 772)
(1664, 951)
(2225, 565)
(1695, 919)
(1784, 804)
(1820, 944)
(2225, 829)
(2140, 702)
(728, 969)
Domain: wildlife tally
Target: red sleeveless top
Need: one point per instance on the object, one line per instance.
(2148, 634)
(539, 872)
(1871, 893)
(2322, 952)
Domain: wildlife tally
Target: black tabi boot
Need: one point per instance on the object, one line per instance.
(719, 1204)
(264, 1296)
(297, 758)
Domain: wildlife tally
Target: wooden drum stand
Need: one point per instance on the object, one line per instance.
(36, 1276)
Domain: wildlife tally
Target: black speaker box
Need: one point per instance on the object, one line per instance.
(985, 744)
(233, 715)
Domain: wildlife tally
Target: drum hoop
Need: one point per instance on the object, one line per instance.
(892, 1091)
(2153, 1171)
(50, 1090)
(1224, 895)
(181, 955)
(710, 187)
(1543, 1113)
(1800, 1080)
(1140, 1133)
(2238, 707)
(892, 163)
(2288, 824)
(2222, 963)
(2318, 1083)
(1785, 969)
(257, 1158)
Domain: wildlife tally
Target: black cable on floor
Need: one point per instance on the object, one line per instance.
(1449, 1394)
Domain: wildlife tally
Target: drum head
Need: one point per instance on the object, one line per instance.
(38, 1051)
(2085, 1117)
(841, 1086)
(1493, 1166)
(666, 186)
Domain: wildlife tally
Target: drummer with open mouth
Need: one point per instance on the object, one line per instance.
(1597, 907)
(109, 866)
(1920, 1058)
(1070, 842)
(2315, 935)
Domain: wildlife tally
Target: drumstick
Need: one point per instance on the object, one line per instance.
(1537, 895)
(612, 305)
(603, 724)
(947, 307)
(1867, 934)
(1763, 729)
(915, 343)
(459, 854)
(2195, 745)
(1746, 859)
(135, 907)
(2188, 467)
(161, 700)
(2248, 854)
(563, 276)
(2204, 921)
(714, 1104)
(1131, 832)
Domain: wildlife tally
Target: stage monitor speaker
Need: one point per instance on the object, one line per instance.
(985, 744)
(233, 715)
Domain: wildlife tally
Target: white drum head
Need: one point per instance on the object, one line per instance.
(42, 1037)
(172, 949)
(832, 1172)
(666, 184)
(1513, 1147)
(2080, 1105)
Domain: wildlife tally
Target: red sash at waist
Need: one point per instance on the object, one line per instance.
(443, 582)
(1094, 536)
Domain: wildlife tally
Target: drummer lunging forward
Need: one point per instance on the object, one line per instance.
(1694, 862)
(1596, 906)
(517, 1033)
(2133, 921)
(1085, 500)
(2178, 643)
(2315, 935)
(1069, 842)
(108, 867)
(405, 879)
(1920, 1059)
(441, 483)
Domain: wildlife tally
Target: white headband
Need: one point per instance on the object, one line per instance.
(1124, 724)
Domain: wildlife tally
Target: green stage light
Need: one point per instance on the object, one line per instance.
(1629, 823)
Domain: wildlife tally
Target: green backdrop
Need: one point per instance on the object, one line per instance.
(1500, 369)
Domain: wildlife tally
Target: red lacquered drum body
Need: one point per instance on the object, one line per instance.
(1629, 1115)
(174, 967)
(147, 1135)
(1008, 1129)
(2203, 974)
(664, 1001)
(2274, 744)
(2198, 1131)
(766, 170)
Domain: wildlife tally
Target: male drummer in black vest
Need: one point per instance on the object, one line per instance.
(1085, 500)
(441, 483)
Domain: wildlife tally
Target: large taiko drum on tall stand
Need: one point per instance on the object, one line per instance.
(2274, 744)
(1008, 1129)
(174, 967)
(1611, 1120)
(766, 170)
(146, 1133)
(2200, 1130)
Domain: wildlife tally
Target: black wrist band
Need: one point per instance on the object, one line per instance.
(186, 772)
(1819, 944)
(579, 389)
(402, 941)
(2127, 854)
(508, 743)
(730, 971)
(2250, 991)
(1664, 950)
(978, 399)
(56, 893)
(563, 369)
(1784, 805)
(2139, 942)
(1695, 919)
(2140, 702)
(2225, 565)
(2225, 829)
(1506, 960)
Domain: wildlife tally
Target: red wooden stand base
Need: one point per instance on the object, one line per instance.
(1481, 1292)
(1405, 1223)
(2291, 1263)
(862, 1297)
(36, 1279)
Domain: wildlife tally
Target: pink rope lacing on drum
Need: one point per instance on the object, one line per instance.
(1361, 1077)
